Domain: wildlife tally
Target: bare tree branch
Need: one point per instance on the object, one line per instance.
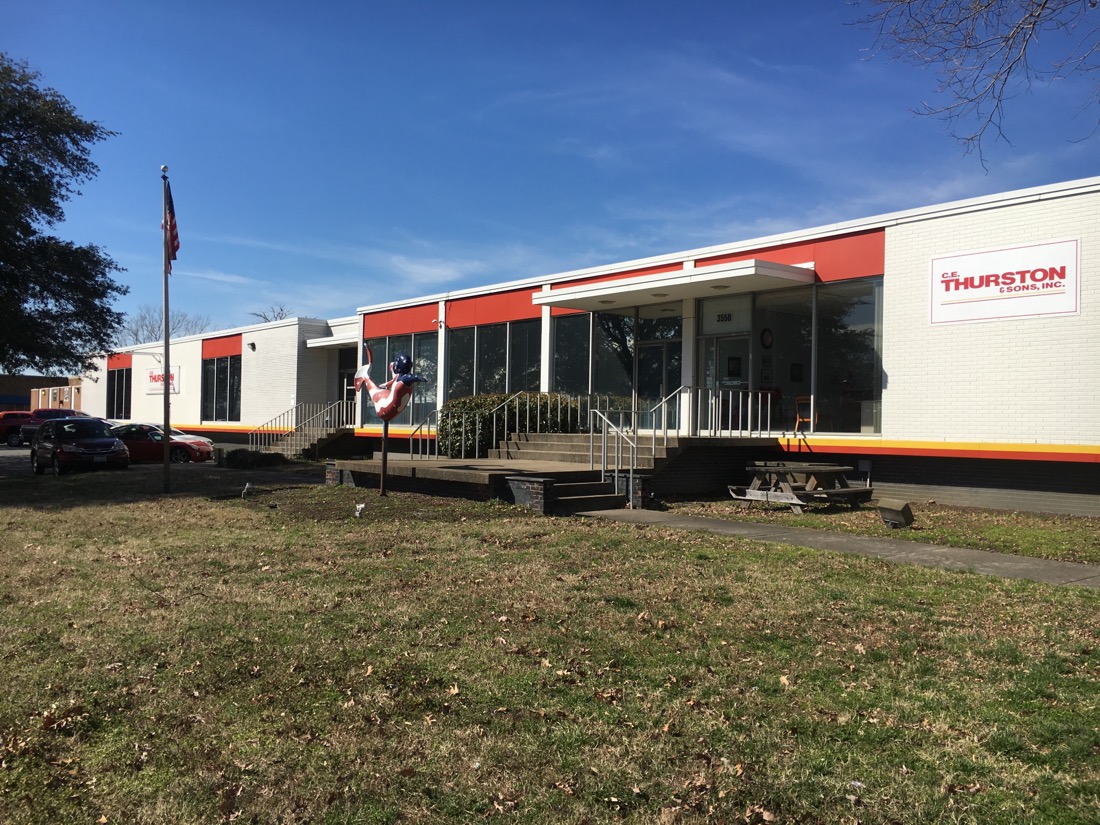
(147, 325)
(985, 52)
(274, 313)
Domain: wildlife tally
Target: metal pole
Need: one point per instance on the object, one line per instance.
(385, 443)
(167, 373)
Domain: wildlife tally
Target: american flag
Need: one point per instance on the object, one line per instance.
(171, 231)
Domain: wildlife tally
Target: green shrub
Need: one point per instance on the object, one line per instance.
(473, 425)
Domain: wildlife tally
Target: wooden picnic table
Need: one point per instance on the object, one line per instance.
(798, 484)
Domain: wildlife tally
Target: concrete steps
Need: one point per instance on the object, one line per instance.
(548, 487)
(575, 448)
(306, 442)
(582, 496)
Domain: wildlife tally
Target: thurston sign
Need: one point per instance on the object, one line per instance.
(1014, 282)
(156, 381)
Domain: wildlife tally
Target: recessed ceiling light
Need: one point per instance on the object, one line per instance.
(659, 294)
(607, 302)
(720, 286)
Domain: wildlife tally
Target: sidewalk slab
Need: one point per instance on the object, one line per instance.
(898, 551)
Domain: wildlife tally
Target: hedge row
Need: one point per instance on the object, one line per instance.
(466, 425)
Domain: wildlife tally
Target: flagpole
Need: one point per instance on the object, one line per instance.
(167, 373)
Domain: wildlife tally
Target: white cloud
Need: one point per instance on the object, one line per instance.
(603, 153)
(217, 277)
(431, 272)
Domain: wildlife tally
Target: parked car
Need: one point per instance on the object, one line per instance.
(29, 428)
(64, 444)
(10, 422)
(146, 443)
(180, 435)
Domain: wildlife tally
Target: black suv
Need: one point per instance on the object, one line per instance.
(64, 444)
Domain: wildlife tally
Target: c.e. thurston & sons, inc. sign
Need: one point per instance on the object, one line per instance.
(156, 381)
(1014, 282)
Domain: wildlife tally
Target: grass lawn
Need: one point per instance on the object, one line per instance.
(200, 657)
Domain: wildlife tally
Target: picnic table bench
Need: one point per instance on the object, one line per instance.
(798, 484)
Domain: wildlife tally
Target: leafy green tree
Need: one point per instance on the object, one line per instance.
(56, 297)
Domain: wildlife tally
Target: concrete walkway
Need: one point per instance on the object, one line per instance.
(898, 551)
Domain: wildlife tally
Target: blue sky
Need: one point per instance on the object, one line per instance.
(333, 155)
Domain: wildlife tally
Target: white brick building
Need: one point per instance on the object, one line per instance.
(952, 346)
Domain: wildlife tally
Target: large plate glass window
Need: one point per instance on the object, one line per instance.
(783, 323)
(572, 337)
(849, 356)
(613, 358)
(118, 392)
(460, 362)
(659, 328)
(524, 355)
(425, 357)
(492, 360)
(221, 388)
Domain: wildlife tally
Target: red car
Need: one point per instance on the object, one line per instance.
(10, 422)
(146, 443)
(64, 444)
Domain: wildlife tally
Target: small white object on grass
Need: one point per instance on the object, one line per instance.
(247, 489)
(359, 510)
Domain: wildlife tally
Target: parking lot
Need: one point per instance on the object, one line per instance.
(16, 463)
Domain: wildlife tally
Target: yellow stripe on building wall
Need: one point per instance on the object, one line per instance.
(944, 449)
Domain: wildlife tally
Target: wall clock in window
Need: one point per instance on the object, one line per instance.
(766, 338)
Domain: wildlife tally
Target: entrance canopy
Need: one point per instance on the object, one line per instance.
(752, 275)
(333, 341)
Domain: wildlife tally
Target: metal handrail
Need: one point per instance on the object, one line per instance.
(631, 436)
(267, 433)
(531, 416)
(663, 406)
(424, 432)
(733, 412)
(718, 412)
(620, 435)
(503, 405)
(293, 430)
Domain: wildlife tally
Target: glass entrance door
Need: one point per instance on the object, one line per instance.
(345, 385)
(731, 369)
(724, 370)
(345, 374)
